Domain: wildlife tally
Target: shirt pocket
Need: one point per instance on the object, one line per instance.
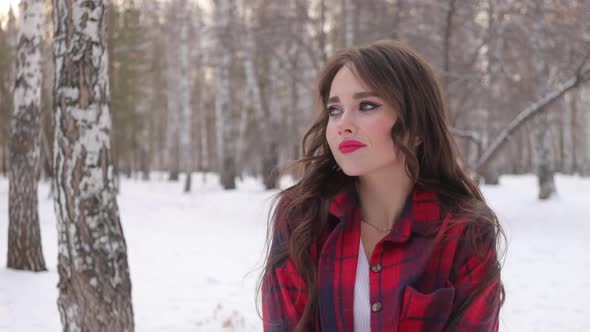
(426, 312)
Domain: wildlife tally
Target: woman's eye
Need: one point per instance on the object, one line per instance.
(368, 106)
(332, 110)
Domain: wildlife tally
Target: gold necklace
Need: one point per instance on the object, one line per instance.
(377, 228)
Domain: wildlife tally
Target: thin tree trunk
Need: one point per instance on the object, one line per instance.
(185, 104)
(270, 159)
(94, 283)
(24, 236)
(568, 146)
(204, 136)
(543, 156)
(585, 102)
(223, 111)
(348, 14)
(172, 88)
(542, 149)
(46, 162)
(3, 159)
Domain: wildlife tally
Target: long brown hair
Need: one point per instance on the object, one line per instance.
(402, 78)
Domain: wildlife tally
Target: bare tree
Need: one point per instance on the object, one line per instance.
(94, 283)
(349, 13)
(185, 103)
(173, 74)
(24, 236)
(225, 126)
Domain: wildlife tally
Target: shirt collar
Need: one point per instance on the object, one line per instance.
(420, 215)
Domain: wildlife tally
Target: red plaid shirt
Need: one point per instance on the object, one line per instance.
(416, 280)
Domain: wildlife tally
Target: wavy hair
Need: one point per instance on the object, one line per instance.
(401, 77)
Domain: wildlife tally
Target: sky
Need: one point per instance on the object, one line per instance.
(5, 4)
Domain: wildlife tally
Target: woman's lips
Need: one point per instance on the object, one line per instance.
(349, 149)
(350, 146)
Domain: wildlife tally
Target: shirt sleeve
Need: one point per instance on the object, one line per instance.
(284, 292)
(283, 298)
(478, 293)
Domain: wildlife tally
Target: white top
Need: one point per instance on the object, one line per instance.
(362, 303)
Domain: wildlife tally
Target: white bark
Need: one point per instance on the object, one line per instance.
(94, 283)
(202, 111)
(148, 90)
(203, 134)
(568, 135)
(24, 237)
(585, 115)
(543, 153)
(173, 75)
(225, 131)
(222, 84)
(349, 13)
(185, 104)
(221, 105)
(254, 93)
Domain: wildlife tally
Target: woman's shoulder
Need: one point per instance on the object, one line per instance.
(477, 232)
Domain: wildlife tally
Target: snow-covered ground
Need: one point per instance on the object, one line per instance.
(194, 258)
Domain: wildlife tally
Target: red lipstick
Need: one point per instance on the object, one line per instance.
(350, 146)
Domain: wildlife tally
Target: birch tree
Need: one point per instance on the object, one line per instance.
(199, 100)
(265, 118)
(585, 120)
(24, 235)
(173, 75)
(7, 74)
(349, 14)
(543, 153)
(224, 126)
(185, 102)
(94, 283)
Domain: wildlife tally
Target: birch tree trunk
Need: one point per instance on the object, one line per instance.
(585, 119)
(568, 141)
(270, 159)
(185, 103)
(148, 92)
(348, 14)
(24, 237)
(262, 120)
(223, 113)
(542, 152)
(203, 132)
(94, 284)
(172, 87)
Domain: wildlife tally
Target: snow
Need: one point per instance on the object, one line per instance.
(195, 258)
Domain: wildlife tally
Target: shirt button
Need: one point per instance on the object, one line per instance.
(376, 268)
(375, 307)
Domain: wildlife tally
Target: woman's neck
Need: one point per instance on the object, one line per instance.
(382, 197)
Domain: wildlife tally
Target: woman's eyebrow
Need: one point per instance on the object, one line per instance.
(357, 95)
(360, 95)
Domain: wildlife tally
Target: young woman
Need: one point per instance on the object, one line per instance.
(385, 230)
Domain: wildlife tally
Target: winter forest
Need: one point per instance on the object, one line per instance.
(141, 143)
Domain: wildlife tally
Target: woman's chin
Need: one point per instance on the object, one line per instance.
(351, 171)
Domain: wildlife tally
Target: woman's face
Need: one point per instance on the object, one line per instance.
(359, 127)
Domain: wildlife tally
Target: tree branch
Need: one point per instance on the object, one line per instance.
(538, 106)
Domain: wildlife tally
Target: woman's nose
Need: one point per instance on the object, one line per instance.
(346, 123)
